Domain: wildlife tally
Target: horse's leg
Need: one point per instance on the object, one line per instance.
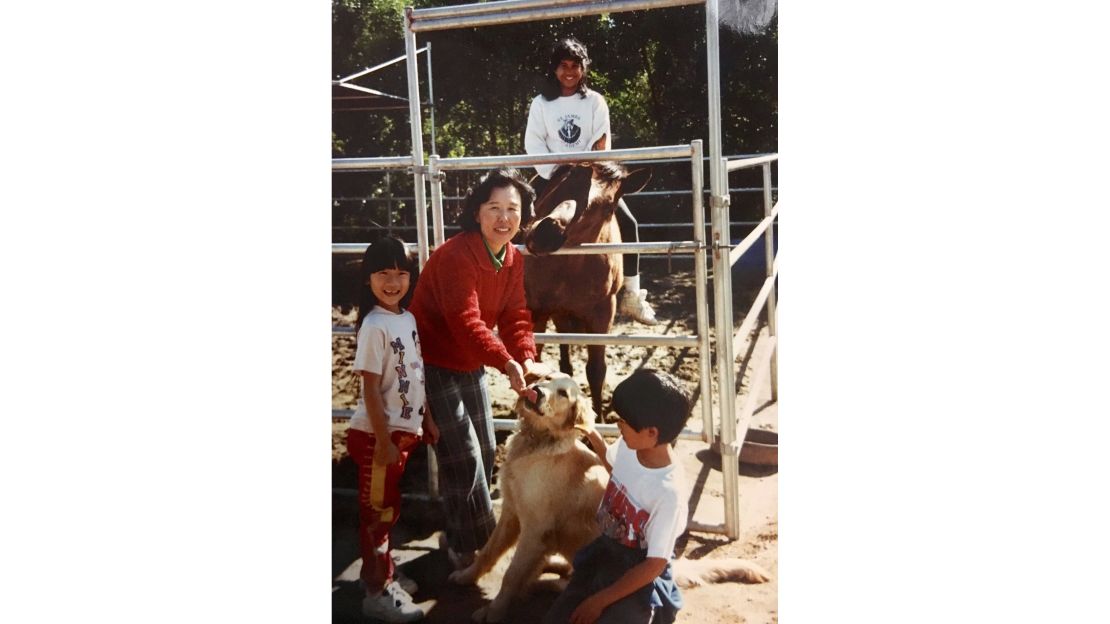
(539, 325)
(539, 321)
(600, 321)
(595, 374)
(564, 324)
(564, 360)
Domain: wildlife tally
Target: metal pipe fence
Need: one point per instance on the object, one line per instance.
(652, 226)
(654, 161)
(515, 11)
(633, 153)
(390, 164)
(437, 166)
(701, 294)
(509, 424)
(748, 324)
(371, 164)
(697, 247)
(743, 246)
(457, 198)
(586, 249)
(511, 11)
(489, 7)
(543, 338)
(734, 426)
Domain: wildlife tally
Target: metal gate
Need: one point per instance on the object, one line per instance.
(722, 430)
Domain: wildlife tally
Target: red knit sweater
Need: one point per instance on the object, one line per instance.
(460, 298)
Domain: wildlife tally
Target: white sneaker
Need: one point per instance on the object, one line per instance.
(401, 579)
(392, 605)
(633, 303)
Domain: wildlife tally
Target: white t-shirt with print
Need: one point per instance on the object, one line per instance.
(643, 508)
(388, 346)
(566, 124)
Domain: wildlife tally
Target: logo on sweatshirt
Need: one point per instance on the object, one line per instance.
(570, 132)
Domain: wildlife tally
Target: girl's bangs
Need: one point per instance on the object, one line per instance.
(388, 256)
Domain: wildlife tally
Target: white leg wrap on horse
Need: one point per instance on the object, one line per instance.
(632, 283)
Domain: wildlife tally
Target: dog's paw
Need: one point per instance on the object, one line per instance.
(462, 577)
(558, 564)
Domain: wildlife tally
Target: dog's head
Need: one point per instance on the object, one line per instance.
(559, 408)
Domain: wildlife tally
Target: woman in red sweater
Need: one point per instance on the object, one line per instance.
(471, 284)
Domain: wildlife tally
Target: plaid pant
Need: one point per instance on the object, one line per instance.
(461, 409)
(379, 503)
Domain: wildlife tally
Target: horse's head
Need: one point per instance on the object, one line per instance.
(578, 201)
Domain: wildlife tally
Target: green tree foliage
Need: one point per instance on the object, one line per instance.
(650, 65)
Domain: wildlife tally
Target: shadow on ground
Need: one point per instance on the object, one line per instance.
(416, 540)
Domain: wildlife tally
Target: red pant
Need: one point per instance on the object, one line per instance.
(379, 503)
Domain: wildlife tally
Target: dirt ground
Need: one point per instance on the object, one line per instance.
(416, 536)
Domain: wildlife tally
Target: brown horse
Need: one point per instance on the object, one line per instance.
(578, 292)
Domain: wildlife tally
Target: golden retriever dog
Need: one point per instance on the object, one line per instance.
(551, 486)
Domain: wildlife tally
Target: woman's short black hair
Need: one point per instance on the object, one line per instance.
(498, 178)
(569, 49)
(388, 252)
(652, 398)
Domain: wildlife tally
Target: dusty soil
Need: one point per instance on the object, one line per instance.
(416, 537)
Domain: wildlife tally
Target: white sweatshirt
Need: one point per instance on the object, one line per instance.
(566, 124)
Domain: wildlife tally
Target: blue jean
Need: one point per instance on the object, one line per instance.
(601, 563)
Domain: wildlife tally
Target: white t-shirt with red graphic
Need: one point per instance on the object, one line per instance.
(388, 346)
(643, 508)
(566, 124)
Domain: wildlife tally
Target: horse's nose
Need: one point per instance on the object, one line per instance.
(545, 237)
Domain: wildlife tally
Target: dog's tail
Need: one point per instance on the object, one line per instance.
(694, 572)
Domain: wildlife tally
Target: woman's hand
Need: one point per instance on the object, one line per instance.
(516, 376)
(517, 382)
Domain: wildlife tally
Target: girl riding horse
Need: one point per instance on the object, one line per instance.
(568, 116)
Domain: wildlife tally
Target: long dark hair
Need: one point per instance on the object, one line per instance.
(387, 252)
(569, 49)
(498, 178)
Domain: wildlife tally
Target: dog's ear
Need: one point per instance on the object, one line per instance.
(584, 416)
